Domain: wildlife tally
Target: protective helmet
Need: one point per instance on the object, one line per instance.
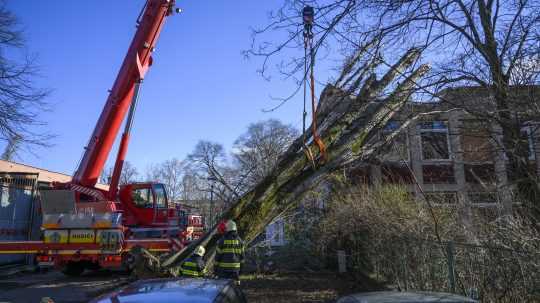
(222, 227)
(200, 251)
(231, 226)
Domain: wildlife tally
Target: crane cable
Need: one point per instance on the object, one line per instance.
(307, 150)
(308, 16)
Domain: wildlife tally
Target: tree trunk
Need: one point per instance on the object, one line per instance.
(348, 125)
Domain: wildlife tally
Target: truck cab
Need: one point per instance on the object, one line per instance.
(147, 205)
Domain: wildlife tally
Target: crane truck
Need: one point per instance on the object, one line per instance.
(86, 227)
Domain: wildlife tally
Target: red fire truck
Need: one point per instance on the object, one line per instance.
(85, 227)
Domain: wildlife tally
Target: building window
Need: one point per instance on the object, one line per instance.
(476, 141)
(360, 175)
(396, 173)
(515, 176)
(435, 140)
(275, 233)
(527, 133)
(484, 215)
(398, 149)
(438, 174)
(442, 197)
(480, 173)
(482, 197)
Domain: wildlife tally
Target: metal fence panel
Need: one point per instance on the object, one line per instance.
(17, 193)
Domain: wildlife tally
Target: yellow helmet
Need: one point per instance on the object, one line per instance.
(231, 226)
(200, 251)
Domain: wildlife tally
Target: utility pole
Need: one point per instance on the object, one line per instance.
(212, 216)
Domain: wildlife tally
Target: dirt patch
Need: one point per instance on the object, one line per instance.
(302, 287)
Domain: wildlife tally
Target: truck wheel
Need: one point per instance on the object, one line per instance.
(73, 269)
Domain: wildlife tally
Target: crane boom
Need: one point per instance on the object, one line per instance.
(136, 63)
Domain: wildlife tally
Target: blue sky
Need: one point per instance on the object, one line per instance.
(200, 86)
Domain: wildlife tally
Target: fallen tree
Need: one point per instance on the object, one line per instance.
(351, 112)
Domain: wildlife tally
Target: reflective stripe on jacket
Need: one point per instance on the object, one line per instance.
(230, 253)
(193, 267)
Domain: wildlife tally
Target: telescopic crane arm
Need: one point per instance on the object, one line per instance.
(136, 63)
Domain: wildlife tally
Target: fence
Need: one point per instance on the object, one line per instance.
(491, 274)
(17, 211)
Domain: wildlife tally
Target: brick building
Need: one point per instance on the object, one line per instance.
(454, 153)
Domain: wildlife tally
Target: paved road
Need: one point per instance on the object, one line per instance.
(31, 287)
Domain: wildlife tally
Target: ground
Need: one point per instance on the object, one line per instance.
(301, 287)
(30, 287)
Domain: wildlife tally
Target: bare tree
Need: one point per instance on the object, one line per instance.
(170, 173)
(129, 174)
(21, 101)
(193, 186)
(258, 150)
(492, 45)
(208, 162)
(11, 149)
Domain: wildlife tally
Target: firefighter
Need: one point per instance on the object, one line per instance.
(229, 254)
(194, 266)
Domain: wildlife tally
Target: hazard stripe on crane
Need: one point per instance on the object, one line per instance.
(88, 191)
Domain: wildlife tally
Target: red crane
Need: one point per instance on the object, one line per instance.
(86, 227)
(134, 200)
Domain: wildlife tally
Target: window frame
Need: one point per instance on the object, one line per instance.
(442, 166)
(446, 130)
(490, 141)
(528, 128)
(389, 128)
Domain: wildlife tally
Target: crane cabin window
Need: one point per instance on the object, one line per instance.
(142, 197)
(161, 196)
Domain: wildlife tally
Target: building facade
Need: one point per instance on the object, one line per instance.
(451, 154)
